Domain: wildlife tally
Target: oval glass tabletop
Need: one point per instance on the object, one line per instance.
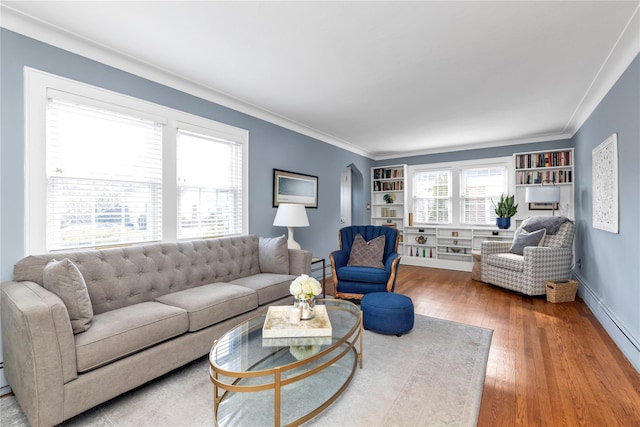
(288, 380)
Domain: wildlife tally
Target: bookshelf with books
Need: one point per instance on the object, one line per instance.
(388, 198)
(551, 167)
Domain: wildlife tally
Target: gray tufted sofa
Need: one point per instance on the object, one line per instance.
(155, 307)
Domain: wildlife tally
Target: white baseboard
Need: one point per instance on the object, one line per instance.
(4, 385)
(623, 338)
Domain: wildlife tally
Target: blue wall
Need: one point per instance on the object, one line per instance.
(610, 273)
(270, 147)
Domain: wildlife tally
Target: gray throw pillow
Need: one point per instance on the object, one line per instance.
(523, 239)
(273, 255)
(65, 280)
(367, 254)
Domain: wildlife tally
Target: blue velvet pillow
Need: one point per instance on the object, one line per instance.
(523, 239)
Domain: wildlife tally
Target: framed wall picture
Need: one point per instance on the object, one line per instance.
(604, 168)
(292, 187)
(543, 206)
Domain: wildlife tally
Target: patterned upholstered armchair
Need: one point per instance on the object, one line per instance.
(527, 273)
(352, 281)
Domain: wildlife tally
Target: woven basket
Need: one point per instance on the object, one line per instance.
(562, 291)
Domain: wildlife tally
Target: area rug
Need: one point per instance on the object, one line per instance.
(431, 376)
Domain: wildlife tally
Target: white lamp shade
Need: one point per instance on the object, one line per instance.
(542, 194)
(291, 215)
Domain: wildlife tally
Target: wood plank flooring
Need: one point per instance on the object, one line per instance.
(549, 364)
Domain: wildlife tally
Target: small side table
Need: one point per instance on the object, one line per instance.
(317, 268)
(476, 272)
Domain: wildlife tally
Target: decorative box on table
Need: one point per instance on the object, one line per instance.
(277, 324)
(562, 291)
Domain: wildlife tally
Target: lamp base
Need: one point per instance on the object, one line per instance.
(291, 243)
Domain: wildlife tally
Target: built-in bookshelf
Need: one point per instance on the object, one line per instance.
(388, 199)
(544, 166)
(552, 167)
(447, 247)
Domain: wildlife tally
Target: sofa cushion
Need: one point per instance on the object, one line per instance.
(523, 239)
(507, 260)
(273, 255)
(367, 254)
(127, 330)
(65, 280)
(210, 304)
(363, 274)
(270, 287)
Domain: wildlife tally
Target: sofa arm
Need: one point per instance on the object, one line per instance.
(489, 247)
(299, 262)
(547, 263)
(391, 266)
(38, 349)
(337, 259)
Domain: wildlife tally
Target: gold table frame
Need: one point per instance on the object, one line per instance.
(353, 336)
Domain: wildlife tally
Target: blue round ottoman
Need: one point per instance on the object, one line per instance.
(387, 313)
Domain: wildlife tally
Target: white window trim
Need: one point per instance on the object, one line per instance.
(455, 168)
(37, 86)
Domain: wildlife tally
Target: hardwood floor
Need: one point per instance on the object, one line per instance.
(549, 364)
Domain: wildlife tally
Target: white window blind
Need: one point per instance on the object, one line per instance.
(104, 177)
(432, 197)
(209, 171)
(478, 187)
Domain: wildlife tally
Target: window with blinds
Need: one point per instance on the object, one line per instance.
(209, 171)
(104, 177)
(432, 197)
(105, 169)
(478, 187)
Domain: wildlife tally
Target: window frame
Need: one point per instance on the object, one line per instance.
(449, 198)
(38, 85)
(461, 197)
(456, 168)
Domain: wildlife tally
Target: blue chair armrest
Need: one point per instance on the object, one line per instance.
(339, 258)
(389, 262)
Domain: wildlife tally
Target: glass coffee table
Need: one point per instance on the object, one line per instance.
(284, 381)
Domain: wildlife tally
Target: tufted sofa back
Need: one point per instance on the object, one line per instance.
(120, 277)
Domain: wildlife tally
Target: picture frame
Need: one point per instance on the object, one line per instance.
(604, 168)
(294, 187)
(543, 206)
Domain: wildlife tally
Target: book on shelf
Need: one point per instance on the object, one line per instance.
(543, 160)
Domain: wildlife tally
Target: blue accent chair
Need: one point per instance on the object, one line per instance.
(352, 282)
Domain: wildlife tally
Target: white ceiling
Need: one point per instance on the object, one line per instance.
(383, 79)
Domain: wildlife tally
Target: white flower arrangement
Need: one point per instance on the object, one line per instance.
(303, 351)
(305, 287)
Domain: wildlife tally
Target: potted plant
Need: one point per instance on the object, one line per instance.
(505, 209)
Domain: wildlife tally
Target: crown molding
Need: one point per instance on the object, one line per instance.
(37, 29)
(623, 52)
(475, 146)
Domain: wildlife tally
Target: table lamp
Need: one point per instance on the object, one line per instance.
(543, 194)
(291, 215)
